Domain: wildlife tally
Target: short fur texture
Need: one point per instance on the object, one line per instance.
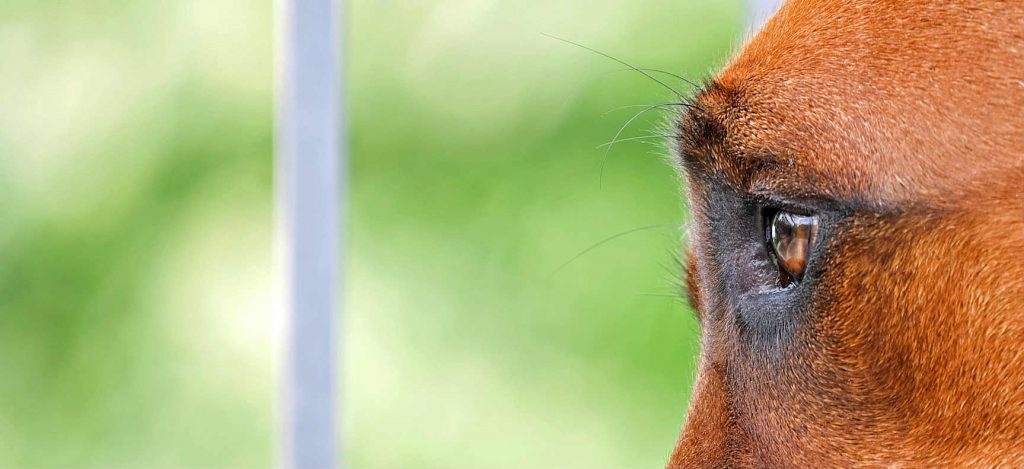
(903, 120)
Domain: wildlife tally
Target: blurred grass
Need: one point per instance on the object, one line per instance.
(135, 174)
(475, 175)
(134, 248)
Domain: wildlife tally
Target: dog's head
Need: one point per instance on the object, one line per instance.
(856, 182)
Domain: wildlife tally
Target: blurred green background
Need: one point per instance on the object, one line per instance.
(136, 223)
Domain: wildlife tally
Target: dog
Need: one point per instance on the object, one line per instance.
(855, 177)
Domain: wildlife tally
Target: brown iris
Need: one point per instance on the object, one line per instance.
(791, 236)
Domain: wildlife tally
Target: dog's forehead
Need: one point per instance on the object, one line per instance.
(759, 135)
(835, 101)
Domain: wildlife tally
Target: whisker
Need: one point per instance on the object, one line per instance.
(676, 298)
(685, 100)
(674, 75)
(641, 137)
(628, 106)
(608, 239)
(615, 139)
(616, 59)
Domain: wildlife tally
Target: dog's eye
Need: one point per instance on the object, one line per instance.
(790, 237)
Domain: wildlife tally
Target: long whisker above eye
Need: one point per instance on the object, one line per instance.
(615, 139)
(693, 85)
(646, 72)
(687, 101)
(642, 71)
(666, 107)
(674, 75)
(640, 137)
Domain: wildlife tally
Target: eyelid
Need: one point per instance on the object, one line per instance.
(778, 203)
(826, 207)
(822, 204)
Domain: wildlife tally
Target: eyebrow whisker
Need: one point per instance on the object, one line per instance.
(641, 137)
(616, 59)
(674, 75)
(629, 106)
(615, 139)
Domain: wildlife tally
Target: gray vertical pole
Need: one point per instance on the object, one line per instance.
(307, 186)
(758, 11)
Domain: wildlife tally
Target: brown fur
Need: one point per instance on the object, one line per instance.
(910, 350)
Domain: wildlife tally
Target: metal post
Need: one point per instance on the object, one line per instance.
(307, 186)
